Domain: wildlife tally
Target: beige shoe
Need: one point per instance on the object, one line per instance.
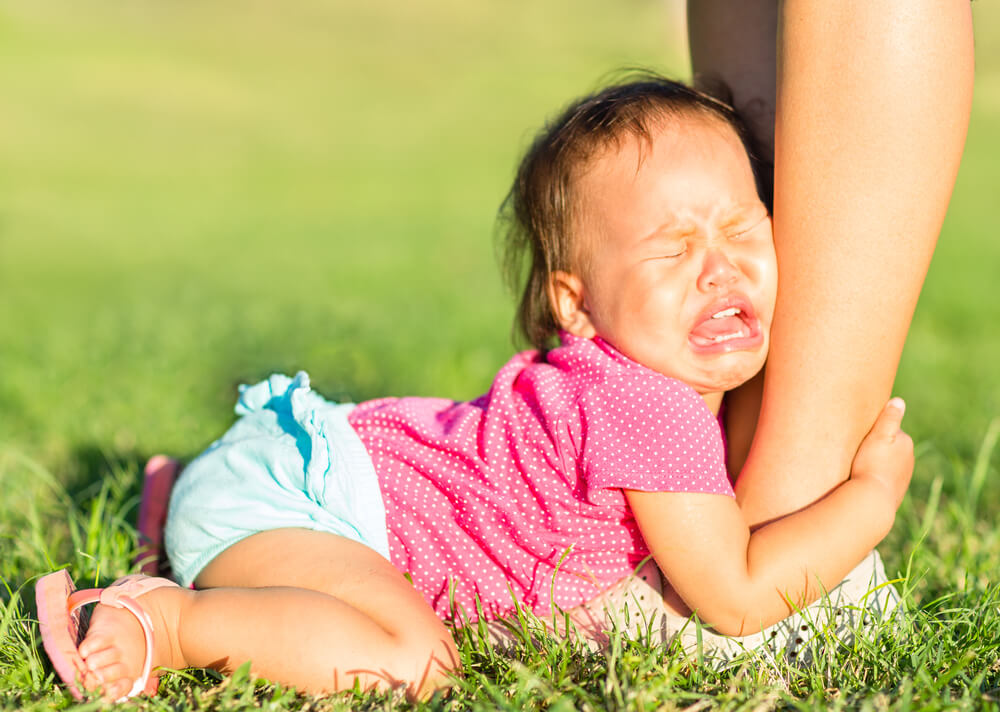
(635, 607)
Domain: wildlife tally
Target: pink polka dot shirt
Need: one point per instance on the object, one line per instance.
(518, 493)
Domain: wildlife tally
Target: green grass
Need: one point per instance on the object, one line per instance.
(193, 195)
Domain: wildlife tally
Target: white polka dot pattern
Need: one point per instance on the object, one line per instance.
(518, 493)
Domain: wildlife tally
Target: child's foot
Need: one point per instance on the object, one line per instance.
(114, 647)
(133, 630)
(158, 481)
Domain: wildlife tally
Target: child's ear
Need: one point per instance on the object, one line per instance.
(566, 298)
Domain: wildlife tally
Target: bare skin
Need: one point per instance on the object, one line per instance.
(114, 647)
(871, 104)
(883, 113)
(875, 94)
(737, 43)
(741, 581)
(666, 250)
(308, 609)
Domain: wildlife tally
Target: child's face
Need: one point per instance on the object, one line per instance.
(680, 270)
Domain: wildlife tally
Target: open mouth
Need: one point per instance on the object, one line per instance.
(727, 325)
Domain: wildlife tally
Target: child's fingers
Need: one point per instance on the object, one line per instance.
(890, 420)
(898, 405)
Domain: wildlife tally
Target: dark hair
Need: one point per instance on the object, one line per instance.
(536, 217)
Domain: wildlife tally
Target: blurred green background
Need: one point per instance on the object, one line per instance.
(193, 195)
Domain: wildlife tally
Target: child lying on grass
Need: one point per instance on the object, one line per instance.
(328, 542)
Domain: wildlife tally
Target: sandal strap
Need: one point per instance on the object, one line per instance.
(133, 586)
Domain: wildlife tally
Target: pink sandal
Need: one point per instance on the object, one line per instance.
(59, 620)
(158, 481)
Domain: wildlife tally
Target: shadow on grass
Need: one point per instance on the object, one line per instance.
(90, 466)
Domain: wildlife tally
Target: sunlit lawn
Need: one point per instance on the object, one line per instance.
(194, 195)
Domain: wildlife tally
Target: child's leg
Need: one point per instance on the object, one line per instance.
(306, 608)
(158, 480)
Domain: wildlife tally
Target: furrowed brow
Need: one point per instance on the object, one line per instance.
(742, 215)
(672, 230)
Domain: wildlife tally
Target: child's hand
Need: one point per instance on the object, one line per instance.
(886, 453)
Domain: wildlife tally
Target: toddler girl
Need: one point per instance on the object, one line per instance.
(329, 542)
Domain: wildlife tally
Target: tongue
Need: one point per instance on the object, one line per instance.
(711, 328)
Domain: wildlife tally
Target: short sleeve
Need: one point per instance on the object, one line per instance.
(650, 433)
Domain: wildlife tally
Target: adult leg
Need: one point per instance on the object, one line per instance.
(736, 42)
(307, 609)
(872, 108)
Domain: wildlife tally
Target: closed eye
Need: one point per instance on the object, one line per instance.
(670, 249)
(667, 249)
(738, 231)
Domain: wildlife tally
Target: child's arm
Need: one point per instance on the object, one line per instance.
(740, 581)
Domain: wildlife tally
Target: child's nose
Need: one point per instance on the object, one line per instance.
(717, 270)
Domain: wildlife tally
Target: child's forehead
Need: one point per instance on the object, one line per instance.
(678, 174)
(629, 149)
(689, 128)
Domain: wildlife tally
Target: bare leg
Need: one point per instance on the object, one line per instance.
(872, 108)
(307, 609)
(736, 42)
